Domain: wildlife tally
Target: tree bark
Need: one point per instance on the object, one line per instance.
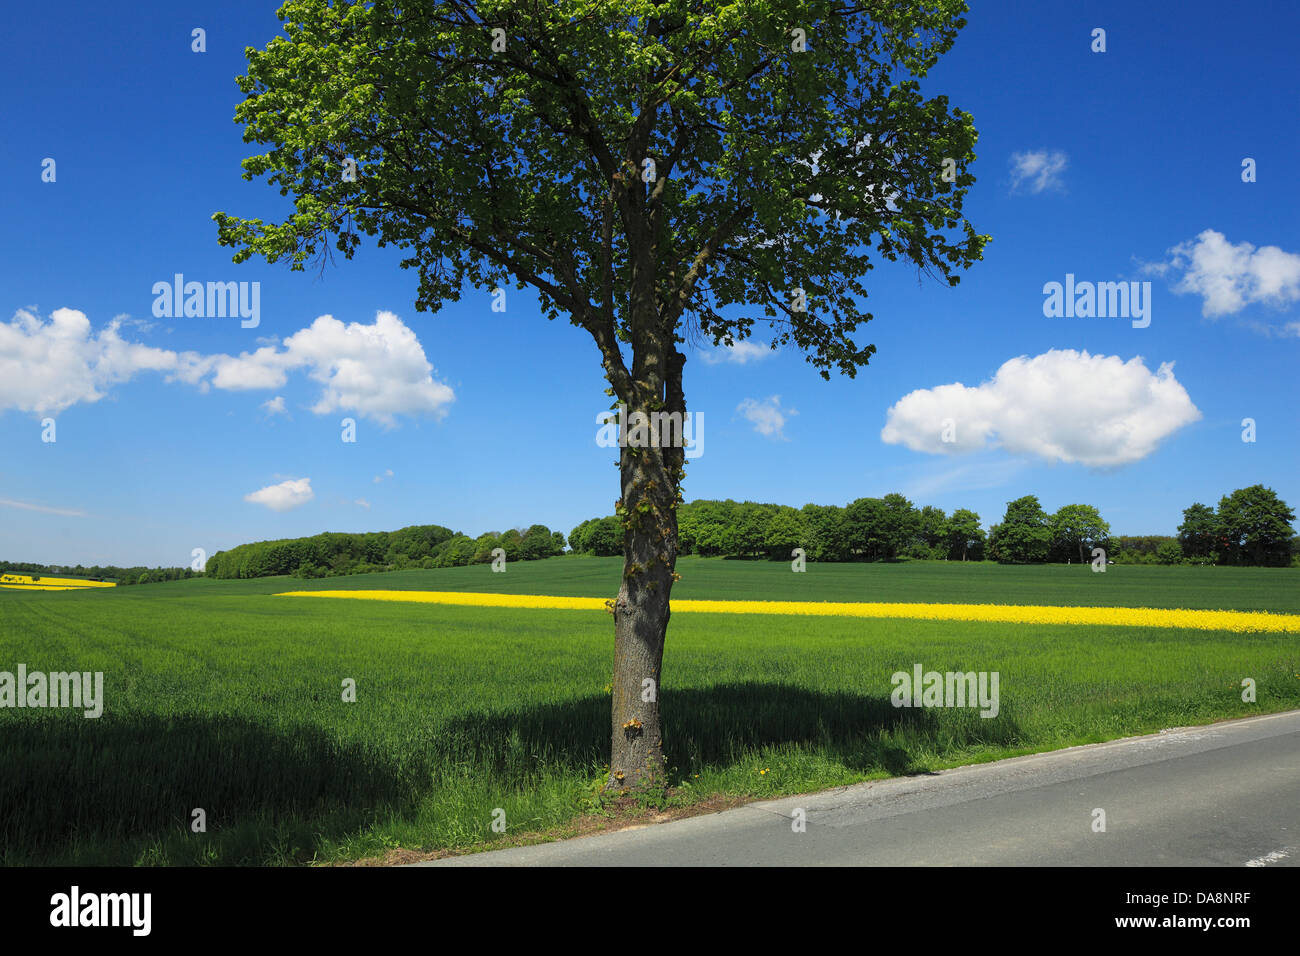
(650, 482)
(641, 614)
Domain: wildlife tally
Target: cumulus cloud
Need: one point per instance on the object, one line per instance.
(1063, 405)
(388, 473)
(275, 406)
(767, 416)
(46, 367)
(284, 496)
(362, 503)
(1040, 169)
(1230, 277)
(742, 353)
(379, 370)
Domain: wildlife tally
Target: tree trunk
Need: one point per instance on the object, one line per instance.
(649, 509)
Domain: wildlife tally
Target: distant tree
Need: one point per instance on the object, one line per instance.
(828, 533)
(456, 552)
(864, 522)
(536, 543)
(750, 527)
(992, 546)
(1169, 553)
(1199, 532)
(1024, 536)
(605, 537)
(711, 527)
(1255, 525)
(484, 545)
(784, 532)
(963, 535)
(932, 524)
(900, 524)
(510, 542)
(1075, 531)
(576, 535)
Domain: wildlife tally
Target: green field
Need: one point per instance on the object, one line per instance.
(223, 697)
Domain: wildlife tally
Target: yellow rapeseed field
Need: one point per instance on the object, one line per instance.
(1241, 621)
(27, 582)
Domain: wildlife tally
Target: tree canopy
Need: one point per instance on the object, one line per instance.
(632, 161)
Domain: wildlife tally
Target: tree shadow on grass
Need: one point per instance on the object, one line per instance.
(101, 791)
(118, 782)
(717, 726)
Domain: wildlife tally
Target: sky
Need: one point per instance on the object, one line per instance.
(176, 433)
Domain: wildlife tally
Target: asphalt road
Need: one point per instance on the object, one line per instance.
(1226, 794)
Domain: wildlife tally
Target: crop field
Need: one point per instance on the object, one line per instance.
(226, 696)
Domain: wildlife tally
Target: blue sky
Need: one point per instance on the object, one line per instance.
(1117, 166)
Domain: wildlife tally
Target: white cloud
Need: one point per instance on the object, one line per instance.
(1063, 405)
(284, 496)
(388, 473)
(742, 353)
(1041, 168)
(379, 370)
(1229, 277)
(275, 406)
(46, 367)
(361, 502)
(44, 509)
(767, 416)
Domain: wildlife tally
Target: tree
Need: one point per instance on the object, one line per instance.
(963, 535)
(650, 168)
(828, 533)
(932, 523)
(900, 524)
(538, 543)
(864, 524)
(576, 535)
(1023, 536)
(484, 545)
(1075, 531)
(784, 532)
(605, 537)
(751, 527)
(1169, 553)
(1255, 525)
(1199, 532)
(717, 528)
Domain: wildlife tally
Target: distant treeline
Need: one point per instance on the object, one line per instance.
(1251, 526)
(419, 546)
(122, 576)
